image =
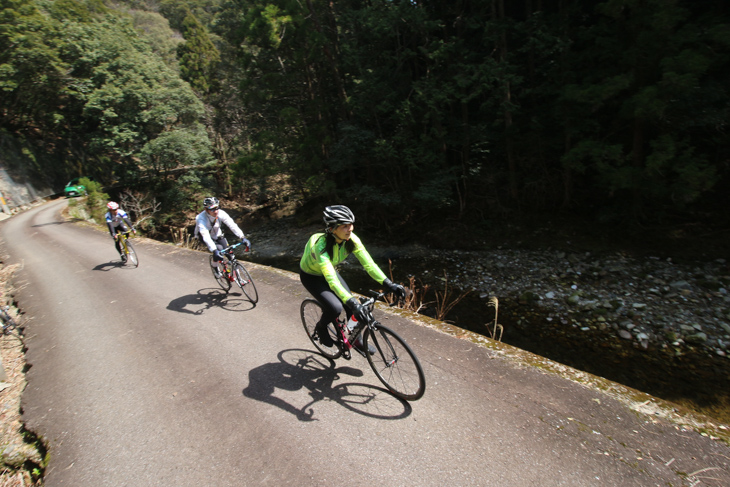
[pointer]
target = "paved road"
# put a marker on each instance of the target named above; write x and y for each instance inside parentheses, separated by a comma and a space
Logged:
(153, 376)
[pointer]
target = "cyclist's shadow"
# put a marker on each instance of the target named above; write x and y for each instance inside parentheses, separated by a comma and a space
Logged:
(305, 369)
(204, 299)
(107, 266)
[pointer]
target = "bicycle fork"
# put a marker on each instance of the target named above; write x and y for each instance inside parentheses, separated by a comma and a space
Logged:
(378, 347)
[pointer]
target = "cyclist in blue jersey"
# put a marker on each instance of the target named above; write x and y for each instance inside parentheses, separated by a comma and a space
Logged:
(118, 222)
(319, 276)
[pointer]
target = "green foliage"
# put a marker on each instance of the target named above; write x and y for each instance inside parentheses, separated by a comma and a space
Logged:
(156, 30)
(591, 154)
(253, 164)
(74, 10)
(199, 58)
(31, 70)
(434, 194)
(676, 172)
(177, 148)
(80, 86)
(96, 199)
(176, 11)
(177, 200)
(405, 108)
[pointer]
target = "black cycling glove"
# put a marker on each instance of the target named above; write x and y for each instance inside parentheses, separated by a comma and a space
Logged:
(394, 288)
(360, 311)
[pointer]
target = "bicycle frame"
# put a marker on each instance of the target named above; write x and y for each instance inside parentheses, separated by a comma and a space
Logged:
(123, 236)
(231, 270)
(126, 249)
(348, 337)
(227, 263)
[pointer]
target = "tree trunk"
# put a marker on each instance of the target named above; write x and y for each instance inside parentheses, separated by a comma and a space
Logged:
(341, 93)
(507, 100)
(637, 161)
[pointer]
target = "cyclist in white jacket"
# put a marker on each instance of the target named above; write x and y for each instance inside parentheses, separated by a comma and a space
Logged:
(208, 228)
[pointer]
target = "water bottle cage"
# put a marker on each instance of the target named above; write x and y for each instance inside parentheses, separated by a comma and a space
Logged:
(356, 330)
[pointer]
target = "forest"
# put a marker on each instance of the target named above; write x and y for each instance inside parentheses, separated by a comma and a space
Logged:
(409, 111)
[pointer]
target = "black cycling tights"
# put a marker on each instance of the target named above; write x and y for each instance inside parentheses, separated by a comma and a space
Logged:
(318, 287)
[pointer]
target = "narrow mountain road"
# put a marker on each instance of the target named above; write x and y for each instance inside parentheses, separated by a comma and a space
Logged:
(154, 376)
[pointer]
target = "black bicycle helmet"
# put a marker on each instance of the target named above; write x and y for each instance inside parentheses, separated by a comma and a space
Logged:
(211, 202)
(338, 215)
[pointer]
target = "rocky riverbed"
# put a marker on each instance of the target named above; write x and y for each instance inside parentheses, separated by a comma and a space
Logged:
(649, 301)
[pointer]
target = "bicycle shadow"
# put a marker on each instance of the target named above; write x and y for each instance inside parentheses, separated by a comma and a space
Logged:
(107, 266)
(55, 223)
(205, 299)
(305, 369)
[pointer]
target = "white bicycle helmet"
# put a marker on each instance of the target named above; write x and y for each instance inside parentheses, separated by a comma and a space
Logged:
(338, 215)
(112, 205)
(211, 202)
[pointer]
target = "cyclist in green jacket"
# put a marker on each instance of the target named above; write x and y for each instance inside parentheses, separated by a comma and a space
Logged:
(319, 276)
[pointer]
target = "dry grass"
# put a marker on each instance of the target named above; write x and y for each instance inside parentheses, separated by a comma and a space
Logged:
(446, 300)
(12, 434)
(141, 205)
(416, 296)
(497, 329)
(415, 293)
(182, 238)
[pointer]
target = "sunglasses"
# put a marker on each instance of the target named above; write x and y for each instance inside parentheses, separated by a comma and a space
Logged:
(213, 209)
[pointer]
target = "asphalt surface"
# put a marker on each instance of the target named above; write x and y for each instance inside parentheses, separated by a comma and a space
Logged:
(154, 376)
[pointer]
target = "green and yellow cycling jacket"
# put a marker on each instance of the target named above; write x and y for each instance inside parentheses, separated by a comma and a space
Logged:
(317, 262)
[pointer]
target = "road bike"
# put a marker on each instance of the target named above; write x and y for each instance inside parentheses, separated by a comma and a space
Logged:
(393, 362)
(231, 270)
(127, 249)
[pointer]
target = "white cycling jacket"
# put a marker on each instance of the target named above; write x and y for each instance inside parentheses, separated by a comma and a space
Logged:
(209, 228)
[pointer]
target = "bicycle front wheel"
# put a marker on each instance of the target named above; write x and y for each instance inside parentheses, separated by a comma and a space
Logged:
(220, 276)
(243, 279)
(311, 312)
(395, 364)
(131, 254)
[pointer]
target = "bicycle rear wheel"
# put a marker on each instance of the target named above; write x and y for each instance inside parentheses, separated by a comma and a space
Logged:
(311, 312)
(243, 279)
(395, 364)
(131, 254)
(220, 276)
